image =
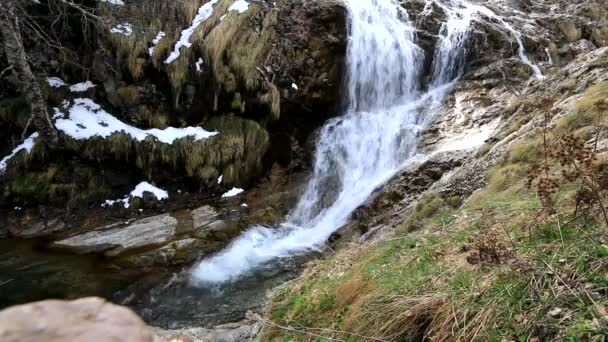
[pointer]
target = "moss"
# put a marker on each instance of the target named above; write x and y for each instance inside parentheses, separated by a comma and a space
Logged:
(525, 152)
(236, 152)
(483, 150)
(422, 285)
(14, 111)
(129, 95)
(53, 186)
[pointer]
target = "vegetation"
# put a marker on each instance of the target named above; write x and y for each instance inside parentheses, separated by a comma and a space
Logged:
(518, 261)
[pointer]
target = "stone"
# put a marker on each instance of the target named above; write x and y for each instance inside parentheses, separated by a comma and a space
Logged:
(176, 253)
(87, 319)
(204, 216)
(206, 221)
(42, 229)
(147, 232)
(244, 331)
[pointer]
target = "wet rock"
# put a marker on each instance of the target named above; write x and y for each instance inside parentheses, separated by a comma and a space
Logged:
(41, 229)
(392, 203)
(176, 253)
(572, 50)
(148, 232)
(207, 222)
(88, 319)
(244, 331)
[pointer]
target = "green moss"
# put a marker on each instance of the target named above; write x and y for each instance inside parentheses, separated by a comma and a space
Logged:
(14, 111)
(236, 152)
(51, 186)
(525, 152)
(427, 275)
(483, 150)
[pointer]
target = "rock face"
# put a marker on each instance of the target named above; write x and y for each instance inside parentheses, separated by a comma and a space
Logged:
(162, 240)
(244, 331)
(88, 319)
(265, 78)
(151, 231)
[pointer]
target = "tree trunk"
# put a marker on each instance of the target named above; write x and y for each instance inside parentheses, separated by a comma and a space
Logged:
(17, 58)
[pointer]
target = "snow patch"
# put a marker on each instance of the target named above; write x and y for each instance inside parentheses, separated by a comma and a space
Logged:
(26, 145)
(82, 87)
(56, 82)
(233, 192)
(199, 64)
(294, 86)
(125, 29)
(115, 2)
(240, 6)
(142, 187)
(139, 190)
(58, 114)
(155, 42)
(204, 13)
(87, 119)
(219, 179)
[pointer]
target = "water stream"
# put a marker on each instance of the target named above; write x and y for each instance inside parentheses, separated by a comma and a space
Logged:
(374, 139)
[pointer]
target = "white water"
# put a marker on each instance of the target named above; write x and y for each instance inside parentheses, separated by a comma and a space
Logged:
(361, 150)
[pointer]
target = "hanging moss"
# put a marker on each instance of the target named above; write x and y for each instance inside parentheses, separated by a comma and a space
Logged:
(236, 152)
(14, 110)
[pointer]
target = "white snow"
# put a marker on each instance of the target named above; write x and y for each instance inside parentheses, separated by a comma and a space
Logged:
(219, 179)
(87, 119)
(139, 190)
(199, 64)
(114, 2)
(142, 187)
(82, 87)
(294, 86)
(240, 6)
(244, 205)
(125, 29)
(58, 114)
(109, 203)
(155, 42)
(233, 192)
(56, 82)
(204, 13)
(26, 145)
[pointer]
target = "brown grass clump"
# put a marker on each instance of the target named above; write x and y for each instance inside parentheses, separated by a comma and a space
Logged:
(415, 318)
(352, 290)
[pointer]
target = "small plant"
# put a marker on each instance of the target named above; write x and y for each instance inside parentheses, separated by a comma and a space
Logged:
(568, 160)
(487, 246)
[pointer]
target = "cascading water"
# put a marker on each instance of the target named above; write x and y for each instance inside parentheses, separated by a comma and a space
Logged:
(358, 152)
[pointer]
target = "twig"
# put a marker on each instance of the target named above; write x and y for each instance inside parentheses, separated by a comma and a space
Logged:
(7, 69)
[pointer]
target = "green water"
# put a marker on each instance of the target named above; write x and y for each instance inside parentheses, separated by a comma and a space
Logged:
(29, 273)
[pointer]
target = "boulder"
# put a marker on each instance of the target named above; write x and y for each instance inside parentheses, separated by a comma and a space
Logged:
(87, 319)
(207, 222)
(41, 229)
(243, 331)
(175, 253)
(147, 232)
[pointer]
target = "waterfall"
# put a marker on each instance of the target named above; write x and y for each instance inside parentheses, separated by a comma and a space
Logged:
(359, 151)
